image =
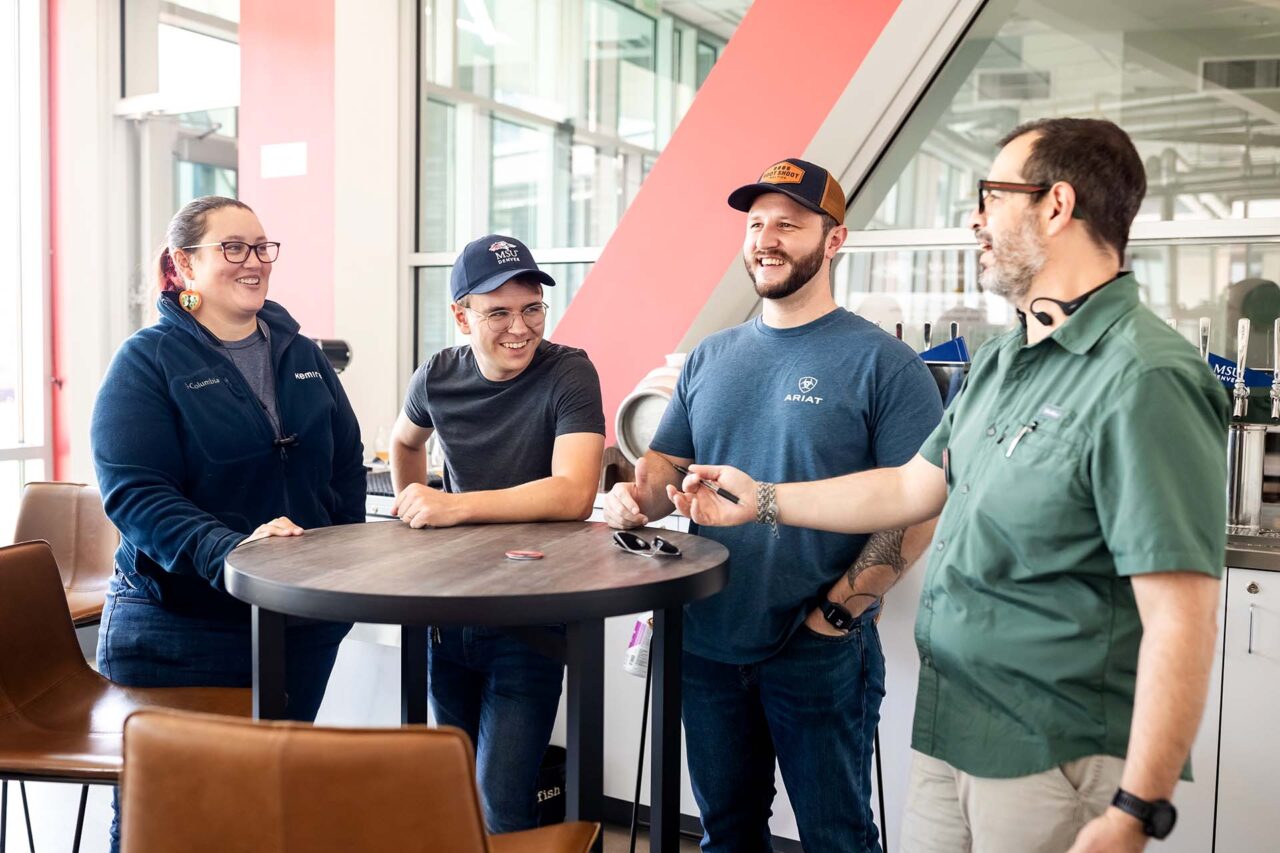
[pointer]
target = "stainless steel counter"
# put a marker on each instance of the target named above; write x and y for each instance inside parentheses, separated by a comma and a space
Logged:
(1254, 552)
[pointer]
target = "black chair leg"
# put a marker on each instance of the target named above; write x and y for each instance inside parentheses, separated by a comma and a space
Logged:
(84, 798)
(26, 812)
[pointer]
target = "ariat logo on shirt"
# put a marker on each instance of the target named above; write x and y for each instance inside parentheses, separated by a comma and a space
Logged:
(806, 384)
(310, 374)
(783, 173)
(203, 383)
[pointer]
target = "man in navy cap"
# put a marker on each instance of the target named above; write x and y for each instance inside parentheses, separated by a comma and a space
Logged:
(785, 664)
(521, 423)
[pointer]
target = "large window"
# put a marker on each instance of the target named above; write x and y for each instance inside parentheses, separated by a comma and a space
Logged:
(24, 339)
(1194, 84)
(540, 119)
(182, 75)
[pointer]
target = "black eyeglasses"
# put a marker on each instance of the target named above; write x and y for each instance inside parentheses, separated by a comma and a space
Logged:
(634, 544)
(237, 252)
(986, 188)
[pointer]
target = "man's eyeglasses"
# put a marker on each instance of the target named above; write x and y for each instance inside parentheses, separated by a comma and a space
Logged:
(634, 544)
(502, 320)
(986, 188)
(237, 252)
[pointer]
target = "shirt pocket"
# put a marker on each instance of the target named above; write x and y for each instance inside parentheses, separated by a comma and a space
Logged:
(1036, 500)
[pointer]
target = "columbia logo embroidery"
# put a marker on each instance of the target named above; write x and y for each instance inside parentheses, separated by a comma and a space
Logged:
(504, 252)
(204, 383)
(310, 374)
(806, 384)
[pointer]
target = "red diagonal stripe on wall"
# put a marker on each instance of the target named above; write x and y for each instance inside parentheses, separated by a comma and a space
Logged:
(777, 80)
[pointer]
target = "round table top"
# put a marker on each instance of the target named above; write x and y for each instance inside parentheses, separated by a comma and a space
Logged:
(388, 572)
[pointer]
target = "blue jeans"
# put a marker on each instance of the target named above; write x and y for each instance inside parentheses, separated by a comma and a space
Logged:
(504, 695)
(141, 644)
(813, 707)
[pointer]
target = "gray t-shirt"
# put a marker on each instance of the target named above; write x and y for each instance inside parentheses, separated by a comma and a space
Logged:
(496, 435)
(785, 405)
(252, 357)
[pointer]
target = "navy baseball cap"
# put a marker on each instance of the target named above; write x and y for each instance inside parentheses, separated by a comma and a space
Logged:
(492, 261)
(809, 184)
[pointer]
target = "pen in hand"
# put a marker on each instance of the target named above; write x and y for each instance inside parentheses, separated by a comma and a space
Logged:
(714, 489)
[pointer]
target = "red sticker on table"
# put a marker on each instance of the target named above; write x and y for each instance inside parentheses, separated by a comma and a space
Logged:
(524, 555)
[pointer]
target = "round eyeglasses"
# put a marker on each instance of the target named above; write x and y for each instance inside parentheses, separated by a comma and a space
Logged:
(502, 320)
(237, 251)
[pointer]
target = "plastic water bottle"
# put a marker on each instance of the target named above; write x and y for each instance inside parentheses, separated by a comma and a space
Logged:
(636, 661)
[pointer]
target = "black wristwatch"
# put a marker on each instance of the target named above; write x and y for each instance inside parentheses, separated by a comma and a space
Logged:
(837, 615)
(1157, 817)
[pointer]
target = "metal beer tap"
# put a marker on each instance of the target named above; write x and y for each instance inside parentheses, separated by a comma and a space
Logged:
(1241, 392)
(1204, 338)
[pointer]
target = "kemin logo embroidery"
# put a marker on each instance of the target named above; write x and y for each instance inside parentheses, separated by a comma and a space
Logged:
(806, 384)
(310, 374)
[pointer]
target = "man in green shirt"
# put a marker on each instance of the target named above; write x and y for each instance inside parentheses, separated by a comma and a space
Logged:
(1069, 610)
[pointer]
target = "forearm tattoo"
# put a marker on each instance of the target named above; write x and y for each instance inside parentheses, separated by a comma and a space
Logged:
(882, 549)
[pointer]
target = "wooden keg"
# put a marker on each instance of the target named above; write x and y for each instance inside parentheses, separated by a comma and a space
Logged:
(642, 409)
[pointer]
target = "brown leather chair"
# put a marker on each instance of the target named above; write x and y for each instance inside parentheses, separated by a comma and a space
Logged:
(203, 784)
(59, 720)
(69, 517)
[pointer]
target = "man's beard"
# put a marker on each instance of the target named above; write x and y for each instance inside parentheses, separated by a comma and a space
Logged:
(1017, 257)
(803, 269)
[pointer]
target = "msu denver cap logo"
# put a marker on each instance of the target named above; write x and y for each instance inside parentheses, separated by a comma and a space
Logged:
(807, 384)
(504, 252)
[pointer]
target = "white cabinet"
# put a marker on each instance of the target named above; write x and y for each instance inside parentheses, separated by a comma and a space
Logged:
(1248, 814)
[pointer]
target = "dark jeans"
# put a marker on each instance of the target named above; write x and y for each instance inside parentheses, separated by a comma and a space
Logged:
(141, 644)
(813, 707)
(504, 695)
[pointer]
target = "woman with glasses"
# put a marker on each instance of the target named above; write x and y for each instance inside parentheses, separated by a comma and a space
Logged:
(218, 425)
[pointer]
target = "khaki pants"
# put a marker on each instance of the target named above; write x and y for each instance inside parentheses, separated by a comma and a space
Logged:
(952, 812)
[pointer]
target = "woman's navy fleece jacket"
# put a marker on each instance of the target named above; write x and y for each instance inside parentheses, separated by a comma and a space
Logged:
(188, 462)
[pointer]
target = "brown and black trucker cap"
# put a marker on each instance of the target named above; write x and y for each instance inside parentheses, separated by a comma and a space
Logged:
(807, 183)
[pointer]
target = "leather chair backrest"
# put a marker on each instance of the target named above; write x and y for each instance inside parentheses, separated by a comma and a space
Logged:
(38, 647)
(205, 784)
(69, 516)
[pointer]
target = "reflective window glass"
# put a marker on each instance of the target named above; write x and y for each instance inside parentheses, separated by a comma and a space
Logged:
(1191, 82)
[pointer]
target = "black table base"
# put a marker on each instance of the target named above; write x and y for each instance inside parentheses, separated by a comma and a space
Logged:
(585, 704)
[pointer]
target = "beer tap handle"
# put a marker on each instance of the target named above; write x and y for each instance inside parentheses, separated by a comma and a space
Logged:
(955, 331)
(928, 335)
(1275, 370)
(1241, 393)
(897, 330)
(1204, 338)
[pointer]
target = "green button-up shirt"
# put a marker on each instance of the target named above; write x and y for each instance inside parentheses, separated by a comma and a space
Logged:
(1097, 454)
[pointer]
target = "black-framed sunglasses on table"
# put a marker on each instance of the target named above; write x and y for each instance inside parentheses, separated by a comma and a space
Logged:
(237, 251)
(633, 544)
(986, 188)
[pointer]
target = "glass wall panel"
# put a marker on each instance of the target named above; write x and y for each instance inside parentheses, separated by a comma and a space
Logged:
(14, 475)
(1184, 79)
(10, 239)
(541, 118)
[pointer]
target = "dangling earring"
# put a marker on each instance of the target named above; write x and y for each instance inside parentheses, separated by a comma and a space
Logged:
(190, 300)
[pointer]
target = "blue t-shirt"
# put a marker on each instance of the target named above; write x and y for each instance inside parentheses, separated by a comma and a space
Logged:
(831, 397)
